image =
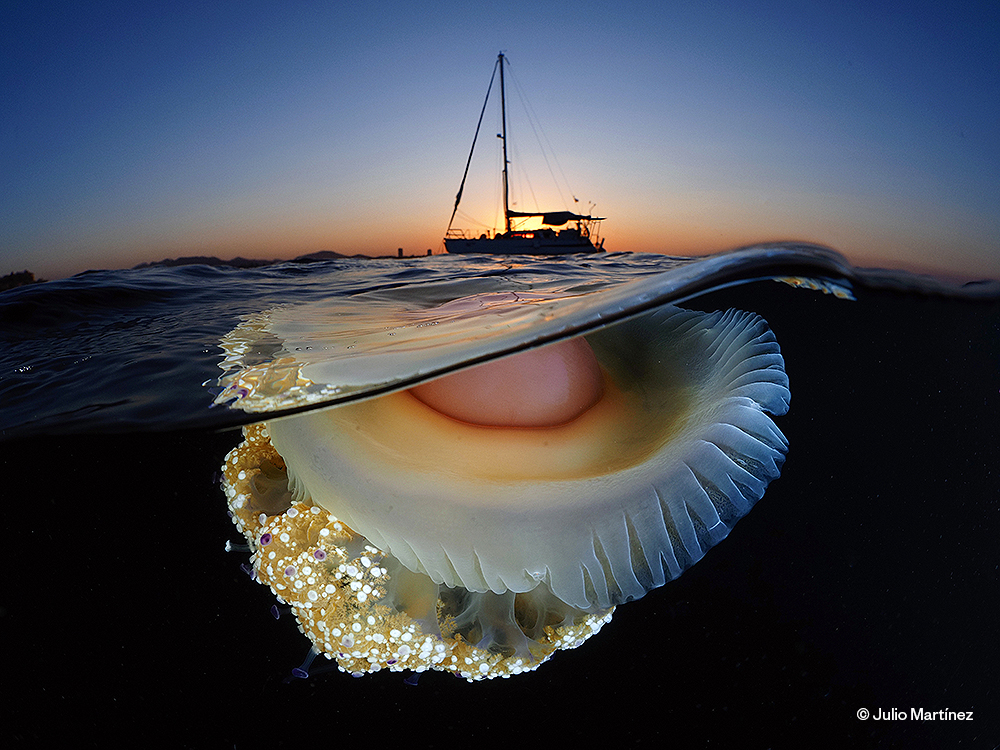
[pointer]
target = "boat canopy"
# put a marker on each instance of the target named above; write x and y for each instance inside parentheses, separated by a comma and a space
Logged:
(556, 218)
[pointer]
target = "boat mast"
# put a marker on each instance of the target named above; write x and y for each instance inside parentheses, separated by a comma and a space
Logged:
(503, 137)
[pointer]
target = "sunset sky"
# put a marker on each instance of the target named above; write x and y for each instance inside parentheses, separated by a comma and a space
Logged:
(276, 129)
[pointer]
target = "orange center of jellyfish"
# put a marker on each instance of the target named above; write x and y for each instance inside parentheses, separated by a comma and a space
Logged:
(543, 387)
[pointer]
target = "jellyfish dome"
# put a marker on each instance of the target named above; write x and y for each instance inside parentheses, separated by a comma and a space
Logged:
(494, 500)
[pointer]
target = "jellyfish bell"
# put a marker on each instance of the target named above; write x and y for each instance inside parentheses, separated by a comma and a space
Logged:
(542, 387)
(602, 507)
(479, 521)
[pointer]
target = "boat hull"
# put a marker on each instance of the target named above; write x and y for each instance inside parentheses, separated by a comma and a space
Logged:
(521, 245)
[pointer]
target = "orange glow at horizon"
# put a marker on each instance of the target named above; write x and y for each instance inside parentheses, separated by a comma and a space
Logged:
(365, 235)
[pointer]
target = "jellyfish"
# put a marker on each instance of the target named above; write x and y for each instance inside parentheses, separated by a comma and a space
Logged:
(479, 521)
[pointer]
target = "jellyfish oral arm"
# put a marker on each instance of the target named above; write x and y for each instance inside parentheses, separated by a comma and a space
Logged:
(543, 387)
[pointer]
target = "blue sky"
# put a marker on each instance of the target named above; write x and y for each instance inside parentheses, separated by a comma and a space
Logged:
(131, 132)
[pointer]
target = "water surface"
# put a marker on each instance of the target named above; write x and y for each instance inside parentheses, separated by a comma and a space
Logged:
(864, 578)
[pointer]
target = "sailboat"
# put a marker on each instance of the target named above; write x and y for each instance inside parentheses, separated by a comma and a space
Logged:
(547, 240)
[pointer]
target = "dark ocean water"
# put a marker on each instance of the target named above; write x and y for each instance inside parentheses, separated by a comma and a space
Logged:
(867, 577)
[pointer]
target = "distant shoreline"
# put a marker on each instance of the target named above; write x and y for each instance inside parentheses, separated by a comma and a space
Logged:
(23, 278)
(240, 262)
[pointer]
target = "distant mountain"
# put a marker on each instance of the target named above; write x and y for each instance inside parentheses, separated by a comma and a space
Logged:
(238, 262)
(207, 260)
(324, 255)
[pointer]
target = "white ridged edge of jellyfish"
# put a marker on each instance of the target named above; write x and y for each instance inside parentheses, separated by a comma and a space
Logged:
(596, 540)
